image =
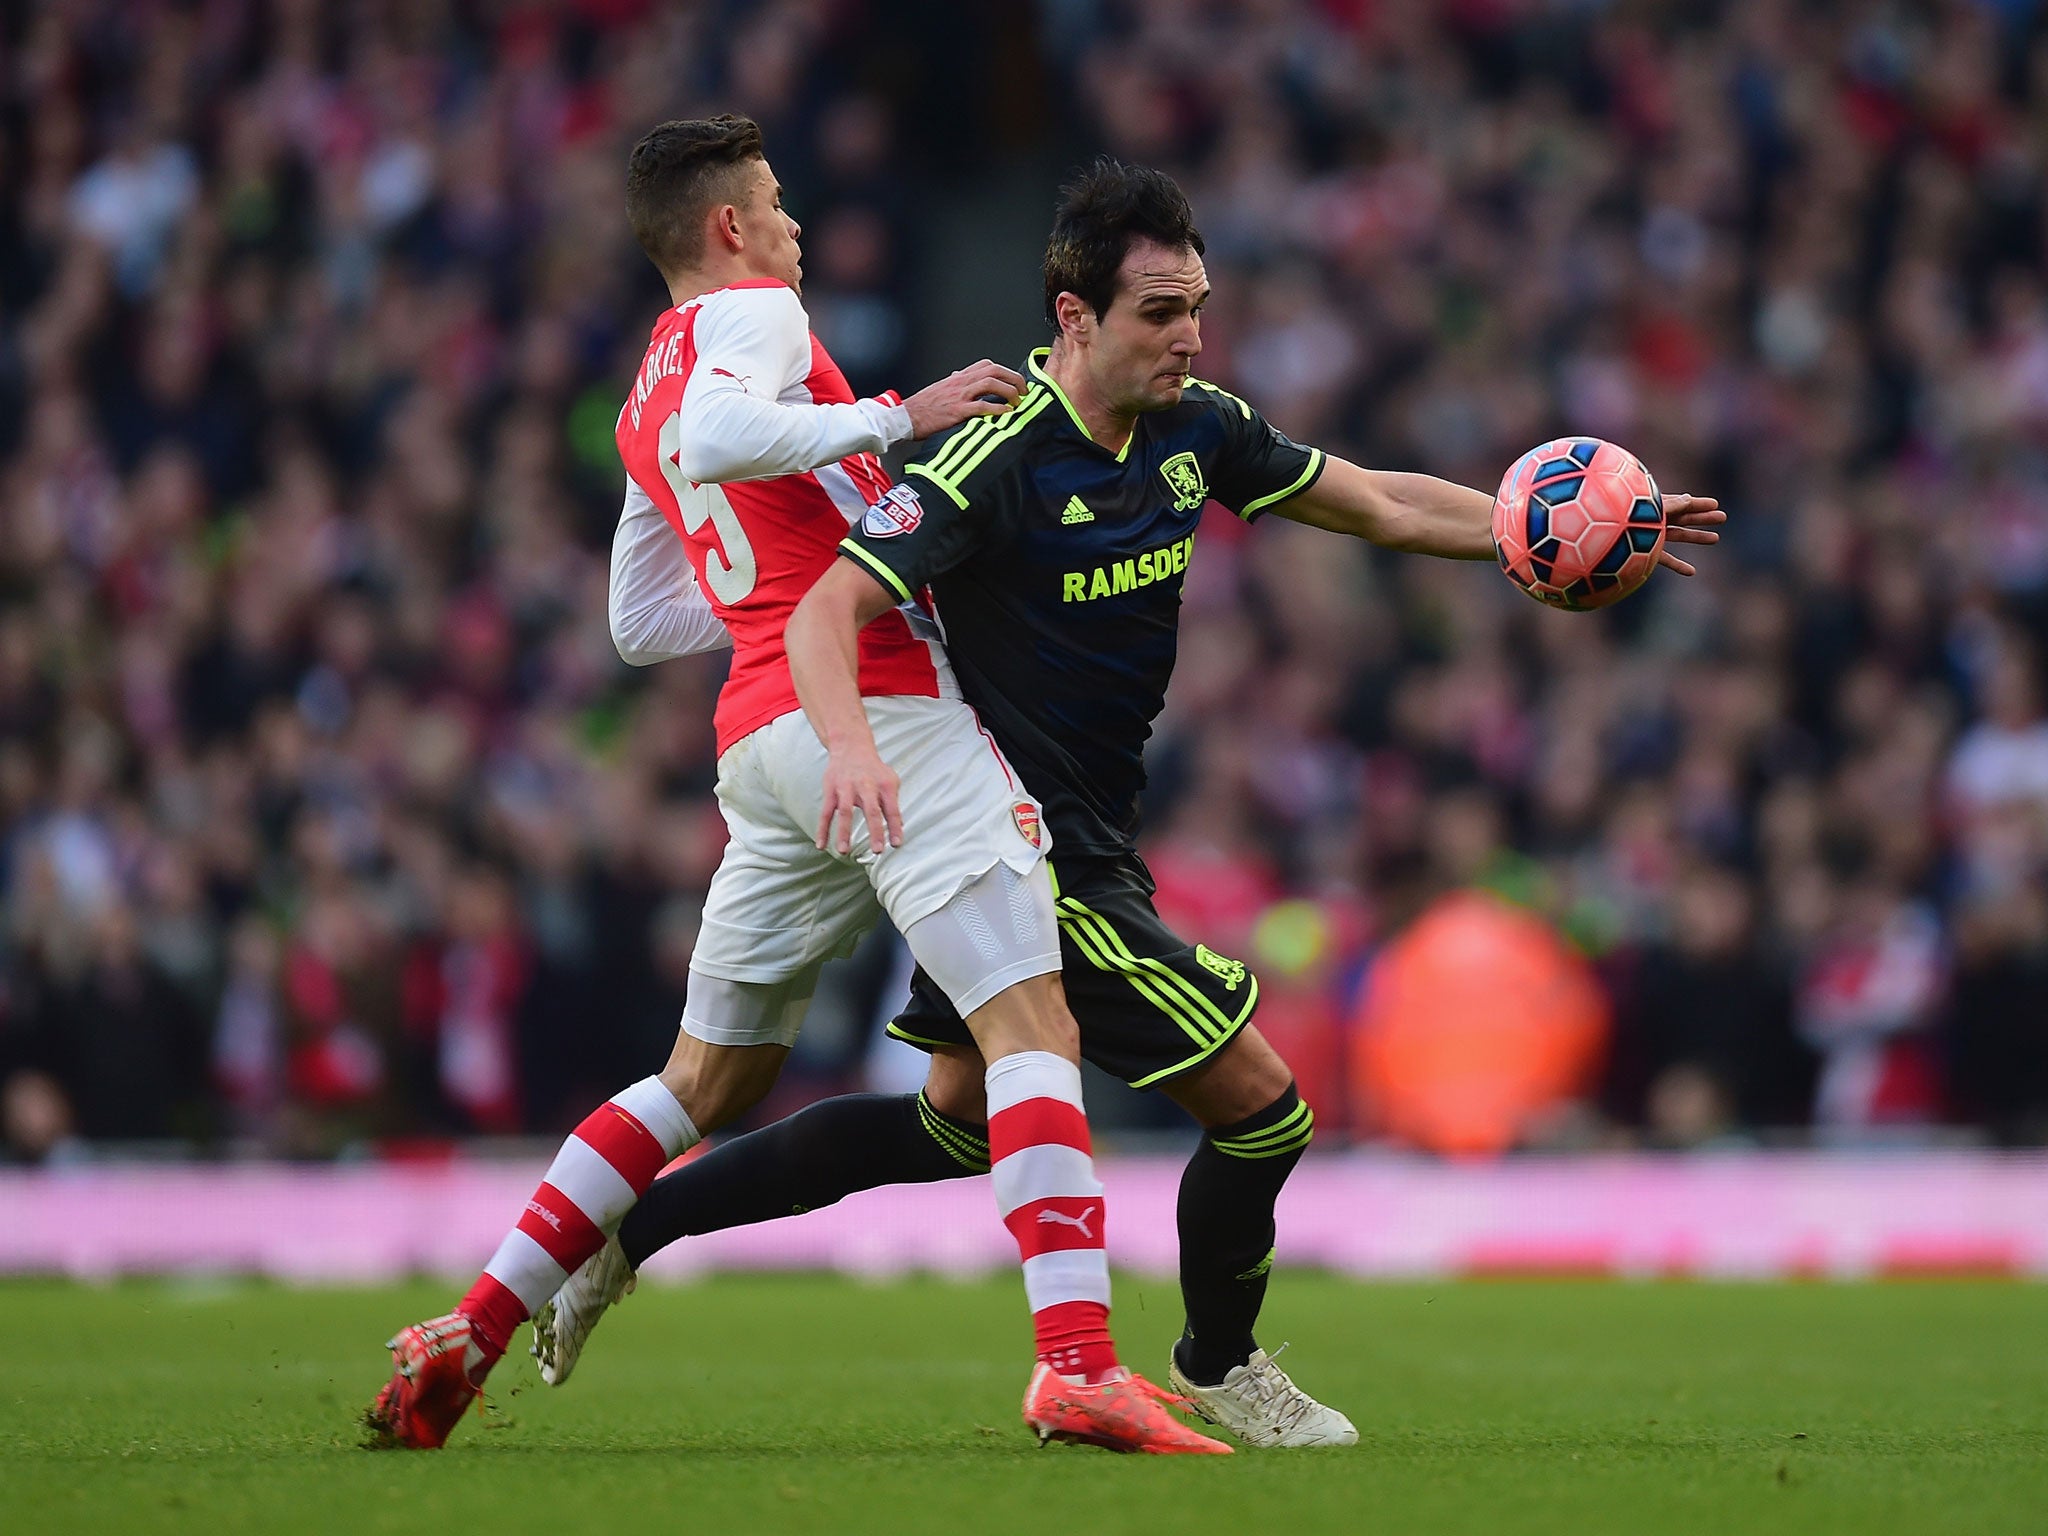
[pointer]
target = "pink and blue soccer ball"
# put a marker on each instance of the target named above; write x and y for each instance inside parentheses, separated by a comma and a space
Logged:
(1578, 523)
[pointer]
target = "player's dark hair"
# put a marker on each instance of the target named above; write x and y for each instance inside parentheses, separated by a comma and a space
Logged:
(1101, 211)
(678, 173)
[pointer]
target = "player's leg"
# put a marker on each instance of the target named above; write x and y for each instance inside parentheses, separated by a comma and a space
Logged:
(1042, 1161)
(609, 1161)
(604, 1166)
(768, 907)
(818, 1156)
(733, 1021)
(969, 891)
(601, 1170)
(1227, 1228)
(834, 1148)
(1255, 1128)
(1039, 1153)
(814, 1158)
(1161, 1013)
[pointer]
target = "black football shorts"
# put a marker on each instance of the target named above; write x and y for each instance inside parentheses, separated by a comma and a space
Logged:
(1150, 1005)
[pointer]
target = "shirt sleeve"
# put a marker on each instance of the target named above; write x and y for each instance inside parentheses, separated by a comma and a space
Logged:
(752, 345)
(657, 609)
(1259, 465)
(918, 530)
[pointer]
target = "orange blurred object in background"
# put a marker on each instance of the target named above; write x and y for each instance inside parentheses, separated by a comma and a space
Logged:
(1475, 1021)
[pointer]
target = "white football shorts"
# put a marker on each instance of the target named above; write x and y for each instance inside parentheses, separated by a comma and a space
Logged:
(779, 905)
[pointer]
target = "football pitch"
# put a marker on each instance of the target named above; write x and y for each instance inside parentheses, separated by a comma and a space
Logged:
(811, 1404)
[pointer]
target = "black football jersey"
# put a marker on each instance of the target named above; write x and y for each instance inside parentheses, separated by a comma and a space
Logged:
(1055, 567)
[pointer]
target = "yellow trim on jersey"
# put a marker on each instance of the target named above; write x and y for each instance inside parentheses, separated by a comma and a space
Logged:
(957, 447)
(1315, 465)
(1038, 372)
(954, 446)
(977, 455)
(1218, 389)
(950, 470)
(924, 474)
(895, 582)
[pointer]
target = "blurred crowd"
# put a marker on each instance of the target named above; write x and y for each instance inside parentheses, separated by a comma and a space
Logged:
(1794, 810)
(329, 819)
(331, 816)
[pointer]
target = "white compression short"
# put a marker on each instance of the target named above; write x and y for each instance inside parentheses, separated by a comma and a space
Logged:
(724, 1012)
(998, 929)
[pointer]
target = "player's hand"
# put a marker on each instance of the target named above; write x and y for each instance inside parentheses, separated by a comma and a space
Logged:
(857, 780)
(979, 389)
(1688, 520)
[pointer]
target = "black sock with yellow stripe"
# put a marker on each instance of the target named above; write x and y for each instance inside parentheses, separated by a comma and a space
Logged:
(816, 1157)
(1227, 1197)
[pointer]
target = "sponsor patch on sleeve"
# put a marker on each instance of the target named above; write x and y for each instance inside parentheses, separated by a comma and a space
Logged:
(899, 511)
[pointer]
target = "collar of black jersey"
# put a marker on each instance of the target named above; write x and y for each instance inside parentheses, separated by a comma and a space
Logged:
(1035, 366)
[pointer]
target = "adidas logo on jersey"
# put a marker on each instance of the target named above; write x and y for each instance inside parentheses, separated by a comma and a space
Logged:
(1076, 512)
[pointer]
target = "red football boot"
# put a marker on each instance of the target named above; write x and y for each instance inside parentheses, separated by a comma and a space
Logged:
(1128, 1414)
(430, 1389)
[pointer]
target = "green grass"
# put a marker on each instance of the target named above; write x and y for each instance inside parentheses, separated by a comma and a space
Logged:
(815, 1405)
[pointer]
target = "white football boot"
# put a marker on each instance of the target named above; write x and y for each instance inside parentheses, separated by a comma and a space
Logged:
(1260, 1404)
(563, 1323)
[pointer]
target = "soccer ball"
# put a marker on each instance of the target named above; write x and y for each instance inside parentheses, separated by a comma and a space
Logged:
(1578, 523)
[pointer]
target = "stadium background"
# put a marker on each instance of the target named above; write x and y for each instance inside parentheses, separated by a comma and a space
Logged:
(333, 824)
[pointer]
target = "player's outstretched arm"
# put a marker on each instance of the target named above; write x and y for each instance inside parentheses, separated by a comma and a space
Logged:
(753, 348)
(823, 641)
(731, 433)
(1421, 514)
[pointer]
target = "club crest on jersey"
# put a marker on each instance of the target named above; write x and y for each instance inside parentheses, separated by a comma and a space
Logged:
(1183, 477)
(1230, 972)
(899, 511)
(1025, 814)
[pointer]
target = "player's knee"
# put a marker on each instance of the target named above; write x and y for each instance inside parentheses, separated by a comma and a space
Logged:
(1030, 1015)
(716, 1084)
(1283, 1128)
(1062, 1030)
(1244, 1079)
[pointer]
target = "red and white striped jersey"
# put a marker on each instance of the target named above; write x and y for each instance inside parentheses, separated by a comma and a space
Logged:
(742, 434)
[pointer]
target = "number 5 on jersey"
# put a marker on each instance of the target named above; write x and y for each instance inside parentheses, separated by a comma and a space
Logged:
(732, 577)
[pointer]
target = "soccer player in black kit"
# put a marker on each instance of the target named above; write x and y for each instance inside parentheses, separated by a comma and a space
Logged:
(1053, 541)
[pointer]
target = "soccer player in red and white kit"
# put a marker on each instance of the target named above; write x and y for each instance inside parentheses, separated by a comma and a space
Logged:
(741, 435)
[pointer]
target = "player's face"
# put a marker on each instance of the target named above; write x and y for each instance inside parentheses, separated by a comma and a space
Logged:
(771, 234)
(1148, 341)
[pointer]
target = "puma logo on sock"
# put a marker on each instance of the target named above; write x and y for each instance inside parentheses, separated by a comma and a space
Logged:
(1080, 1222)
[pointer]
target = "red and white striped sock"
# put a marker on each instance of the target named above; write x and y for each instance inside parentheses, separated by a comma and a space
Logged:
(1052, 1203)
(600, 1174)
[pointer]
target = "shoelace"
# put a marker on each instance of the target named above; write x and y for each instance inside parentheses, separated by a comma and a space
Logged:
(1159, 1394)
(591, 1290)
(1272, 1388)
